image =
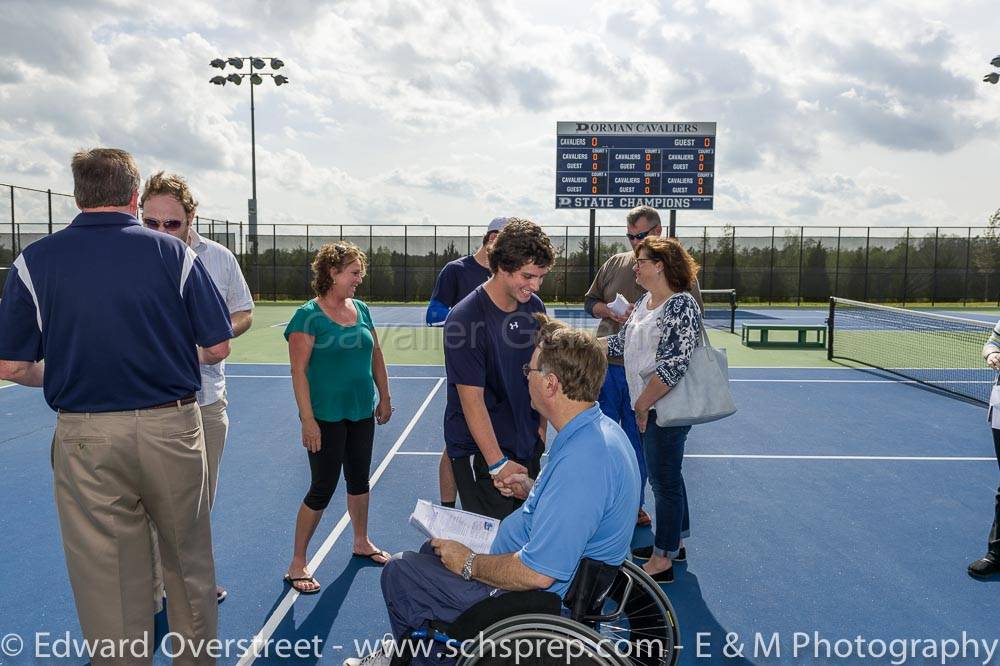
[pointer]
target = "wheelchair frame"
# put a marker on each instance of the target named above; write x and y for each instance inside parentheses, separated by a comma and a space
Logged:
(593, 639)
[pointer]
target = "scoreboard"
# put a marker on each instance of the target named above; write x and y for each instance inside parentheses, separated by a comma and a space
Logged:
(623, 165)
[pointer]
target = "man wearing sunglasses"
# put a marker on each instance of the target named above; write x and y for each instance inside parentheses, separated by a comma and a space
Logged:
(617, 276)
(168, 206)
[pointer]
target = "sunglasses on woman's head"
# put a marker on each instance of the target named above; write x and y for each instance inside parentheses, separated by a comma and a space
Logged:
(169, 225)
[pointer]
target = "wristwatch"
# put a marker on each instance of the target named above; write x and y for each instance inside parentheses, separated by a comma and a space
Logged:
(467, 567)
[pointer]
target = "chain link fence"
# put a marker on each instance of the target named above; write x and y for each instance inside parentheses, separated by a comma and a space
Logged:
(764, 264)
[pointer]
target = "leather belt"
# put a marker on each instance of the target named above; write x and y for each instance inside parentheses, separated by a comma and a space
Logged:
(186, 400)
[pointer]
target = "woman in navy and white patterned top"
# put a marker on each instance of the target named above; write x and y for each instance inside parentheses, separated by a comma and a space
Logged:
(989, 566)
(656, 342)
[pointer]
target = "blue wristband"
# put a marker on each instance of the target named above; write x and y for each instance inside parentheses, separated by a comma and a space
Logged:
(498, 464)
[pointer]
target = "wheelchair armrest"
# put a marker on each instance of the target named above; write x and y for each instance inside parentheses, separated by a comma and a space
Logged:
(589, 588)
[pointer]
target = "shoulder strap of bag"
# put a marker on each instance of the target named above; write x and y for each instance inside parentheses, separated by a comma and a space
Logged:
(701, 318)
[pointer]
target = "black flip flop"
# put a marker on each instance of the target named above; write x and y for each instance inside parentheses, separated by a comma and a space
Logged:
(309, 579)
(371, 556)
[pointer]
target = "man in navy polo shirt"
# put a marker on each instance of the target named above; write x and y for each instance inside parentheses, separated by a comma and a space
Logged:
(456, 281)
(118, 313)
(582, 505)
(490, 429)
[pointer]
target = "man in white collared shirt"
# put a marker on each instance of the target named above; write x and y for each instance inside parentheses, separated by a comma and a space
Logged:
(168, 206)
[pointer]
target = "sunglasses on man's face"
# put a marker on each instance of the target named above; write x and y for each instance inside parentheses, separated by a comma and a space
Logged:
(169, 225)
(639, 236)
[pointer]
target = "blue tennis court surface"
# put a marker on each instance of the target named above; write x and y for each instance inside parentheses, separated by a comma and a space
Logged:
(838, 501)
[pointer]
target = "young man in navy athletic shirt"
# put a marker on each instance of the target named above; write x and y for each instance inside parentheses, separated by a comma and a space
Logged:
(490, 429)
(456, 281)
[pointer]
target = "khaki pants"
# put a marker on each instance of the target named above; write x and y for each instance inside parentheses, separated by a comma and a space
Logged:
(215, 425)
(113, 474)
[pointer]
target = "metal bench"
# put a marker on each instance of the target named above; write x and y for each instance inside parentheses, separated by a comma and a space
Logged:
(802, 342)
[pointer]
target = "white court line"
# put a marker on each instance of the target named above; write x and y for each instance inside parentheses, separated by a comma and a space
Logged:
(768, 456)
(386, 324)
(8, 386)
(773, 381)
(289, 377)
(286, 603)
(858, 381)
(391, 365)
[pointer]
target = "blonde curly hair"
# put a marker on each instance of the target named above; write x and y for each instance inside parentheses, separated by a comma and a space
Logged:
(334, 256)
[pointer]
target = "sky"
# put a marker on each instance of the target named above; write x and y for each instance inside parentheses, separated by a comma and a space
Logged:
(444, 112)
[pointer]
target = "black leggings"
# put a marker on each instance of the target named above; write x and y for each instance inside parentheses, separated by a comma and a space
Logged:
(342, 443)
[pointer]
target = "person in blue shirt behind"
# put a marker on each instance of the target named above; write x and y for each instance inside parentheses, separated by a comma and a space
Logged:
(459, 277)
(456, 281)
(490, 429)
(582, 505)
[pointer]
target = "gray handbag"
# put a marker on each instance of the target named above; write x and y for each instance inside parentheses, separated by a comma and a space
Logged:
(702, 395)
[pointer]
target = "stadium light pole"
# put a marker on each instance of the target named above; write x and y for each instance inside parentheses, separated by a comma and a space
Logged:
(255, 64)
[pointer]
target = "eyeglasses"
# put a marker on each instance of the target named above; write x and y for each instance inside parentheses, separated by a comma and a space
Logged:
(639, 259)
(169, 225)
(641, 235)
(527, 369)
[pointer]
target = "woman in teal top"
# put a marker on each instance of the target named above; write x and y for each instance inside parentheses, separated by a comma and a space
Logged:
(337, 366)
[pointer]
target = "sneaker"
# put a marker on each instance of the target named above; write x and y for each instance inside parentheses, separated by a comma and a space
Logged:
(380, 657)
(984, 568)
(643, 519)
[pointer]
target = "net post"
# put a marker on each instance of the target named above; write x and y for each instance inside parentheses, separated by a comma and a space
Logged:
(829, 329)
(732, 311)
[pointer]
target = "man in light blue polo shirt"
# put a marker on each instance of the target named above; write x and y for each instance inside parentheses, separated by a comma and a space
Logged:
(118, 313)
(582, 505)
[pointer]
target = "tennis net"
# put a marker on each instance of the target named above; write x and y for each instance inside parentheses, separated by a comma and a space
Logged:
(720, 306)
(928, 348)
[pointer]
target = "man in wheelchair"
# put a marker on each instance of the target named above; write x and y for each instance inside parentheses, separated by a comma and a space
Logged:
(583, 505)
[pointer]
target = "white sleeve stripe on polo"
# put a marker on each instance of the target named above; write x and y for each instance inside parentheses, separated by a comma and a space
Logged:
(189, 257)
(22, 272)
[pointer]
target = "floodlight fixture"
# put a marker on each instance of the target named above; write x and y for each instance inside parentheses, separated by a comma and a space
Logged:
(254, 63)
(995, 62)
(992, 77)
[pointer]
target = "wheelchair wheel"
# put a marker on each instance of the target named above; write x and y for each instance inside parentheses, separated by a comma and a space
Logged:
(644, 626)
(542, 640)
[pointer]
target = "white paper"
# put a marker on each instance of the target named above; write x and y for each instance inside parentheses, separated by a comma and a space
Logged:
(995, 406)
(619, 306)
(440, 522)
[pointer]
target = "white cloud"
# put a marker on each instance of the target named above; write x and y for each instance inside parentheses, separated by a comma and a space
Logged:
(445, 111)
